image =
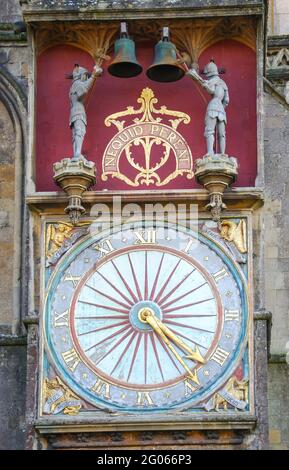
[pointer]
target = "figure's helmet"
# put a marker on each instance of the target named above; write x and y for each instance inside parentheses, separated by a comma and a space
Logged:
(211, 69)
(78, 72)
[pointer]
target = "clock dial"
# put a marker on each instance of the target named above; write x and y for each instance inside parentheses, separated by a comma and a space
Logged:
(136, 320)
(110, 333)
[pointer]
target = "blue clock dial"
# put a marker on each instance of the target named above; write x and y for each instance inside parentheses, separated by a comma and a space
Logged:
(138, 321)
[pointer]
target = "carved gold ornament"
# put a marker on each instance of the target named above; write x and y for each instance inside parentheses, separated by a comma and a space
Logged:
(58, 398)
(235, 389)
(59, 238)
(235, 393)
(56, 234)
(147, 132)
(235, 233)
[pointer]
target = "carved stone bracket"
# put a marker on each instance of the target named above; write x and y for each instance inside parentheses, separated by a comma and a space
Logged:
(216, 173)
(74, 177)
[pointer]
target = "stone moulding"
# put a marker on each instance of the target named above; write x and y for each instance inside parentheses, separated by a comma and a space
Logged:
(12, 340)
(9, 34)
(271, 88)
(101, 9)
(96, 5)
(214, 421)
(236, 198)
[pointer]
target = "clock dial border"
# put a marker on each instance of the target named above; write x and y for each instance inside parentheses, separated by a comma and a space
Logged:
(239, 278)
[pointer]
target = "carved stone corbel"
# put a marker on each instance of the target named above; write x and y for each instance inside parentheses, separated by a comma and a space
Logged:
(74, 177)
(216, 173)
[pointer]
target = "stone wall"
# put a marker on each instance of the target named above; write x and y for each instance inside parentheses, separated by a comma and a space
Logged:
(279, 405)
(276, 240)
(13, 85)
(278, 17)
(276, 221)
(10, 11)
(12, 392)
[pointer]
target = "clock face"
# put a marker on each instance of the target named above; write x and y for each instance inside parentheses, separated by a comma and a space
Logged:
(146, 319)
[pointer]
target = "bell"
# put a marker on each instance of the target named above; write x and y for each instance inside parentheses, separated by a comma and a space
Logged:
(166, 67)
(125, 64)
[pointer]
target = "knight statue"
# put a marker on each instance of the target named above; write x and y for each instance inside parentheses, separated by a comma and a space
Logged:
(82, 83)
(216, 114)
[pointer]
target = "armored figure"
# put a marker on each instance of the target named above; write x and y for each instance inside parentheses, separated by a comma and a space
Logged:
(216, 114)
(81, 85)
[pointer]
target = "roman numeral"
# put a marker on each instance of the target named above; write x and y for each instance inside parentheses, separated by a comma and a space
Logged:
(104, 247)
(231, 315)
(71, 359)
(73, 279)
(191, 242)
(189, 388)
(220, 274)
(220, 356)
(147, 237)
(101, 388)
(144, 399)
(61, 319)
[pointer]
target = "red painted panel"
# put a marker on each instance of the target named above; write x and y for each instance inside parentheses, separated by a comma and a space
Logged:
(240, 64)
(110, 95)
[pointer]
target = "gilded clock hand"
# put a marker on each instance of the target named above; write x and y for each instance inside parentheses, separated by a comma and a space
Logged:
(193, 355)
(147, 316)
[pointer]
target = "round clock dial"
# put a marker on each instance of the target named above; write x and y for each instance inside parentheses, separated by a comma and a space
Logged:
(139, 321)
(108, 321)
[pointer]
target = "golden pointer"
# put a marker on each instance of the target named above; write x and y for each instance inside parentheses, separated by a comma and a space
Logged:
(146, 315)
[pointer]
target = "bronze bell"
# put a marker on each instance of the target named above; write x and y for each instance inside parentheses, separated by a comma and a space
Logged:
(125, 64)
(166, 67)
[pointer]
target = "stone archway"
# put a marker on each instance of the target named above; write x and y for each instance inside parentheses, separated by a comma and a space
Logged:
(13, 119)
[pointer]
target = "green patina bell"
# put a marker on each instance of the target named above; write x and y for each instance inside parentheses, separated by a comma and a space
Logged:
(166, 67)
(125, 64)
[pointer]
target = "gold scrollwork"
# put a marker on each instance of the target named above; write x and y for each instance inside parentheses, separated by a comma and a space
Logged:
(58, 398)
(147, 131)
(147, 101)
